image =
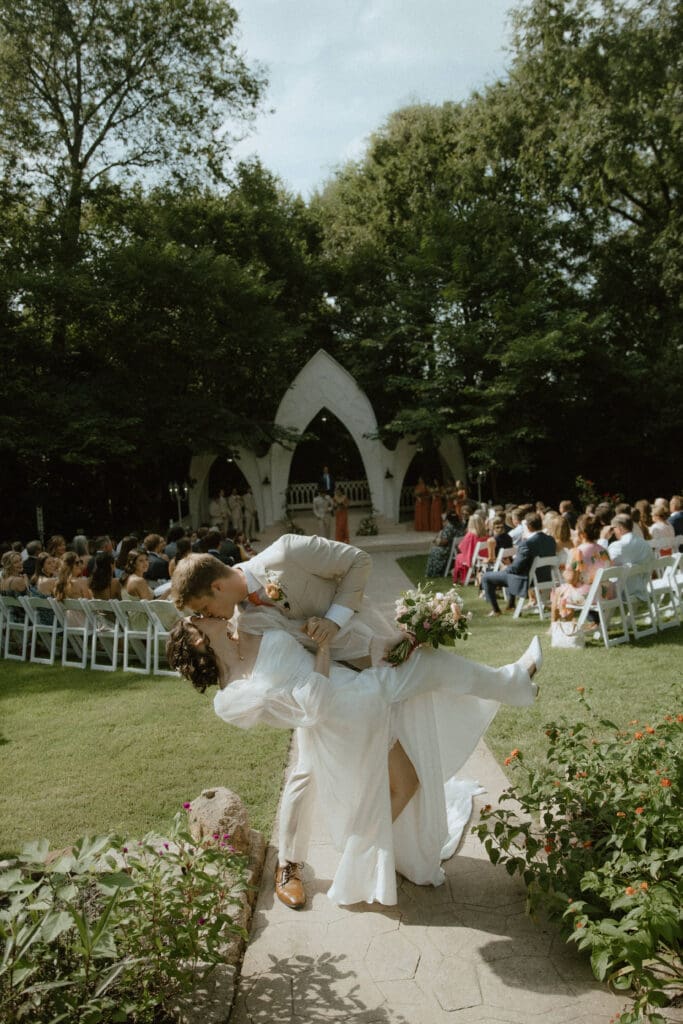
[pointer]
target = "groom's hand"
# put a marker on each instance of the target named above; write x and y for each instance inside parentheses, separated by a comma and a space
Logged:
(321, 630)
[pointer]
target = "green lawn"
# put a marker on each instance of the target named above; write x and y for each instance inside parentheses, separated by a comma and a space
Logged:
(99, 752)
(85, 751)
(638, 680)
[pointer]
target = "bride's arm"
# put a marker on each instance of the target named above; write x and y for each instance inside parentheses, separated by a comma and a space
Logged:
(322, 660)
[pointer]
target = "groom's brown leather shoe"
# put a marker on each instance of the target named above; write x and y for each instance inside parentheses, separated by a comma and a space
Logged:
(288, 886)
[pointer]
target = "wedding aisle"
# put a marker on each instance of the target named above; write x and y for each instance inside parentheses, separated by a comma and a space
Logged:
(458, 954)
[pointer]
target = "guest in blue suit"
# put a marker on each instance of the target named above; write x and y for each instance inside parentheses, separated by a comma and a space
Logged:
(515, 578)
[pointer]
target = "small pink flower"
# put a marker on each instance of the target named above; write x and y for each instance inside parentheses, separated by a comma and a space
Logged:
(186, 806)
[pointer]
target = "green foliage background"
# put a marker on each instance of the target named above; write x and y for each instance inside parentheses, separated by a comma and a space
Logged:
(507, 268)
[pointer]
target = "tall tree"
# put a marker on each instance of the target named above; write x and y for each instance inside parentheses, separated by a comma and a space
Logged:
(90, 89)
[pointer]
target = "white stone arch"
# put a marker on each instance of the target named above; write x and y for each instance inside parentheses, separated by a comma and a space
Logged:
(323, 383)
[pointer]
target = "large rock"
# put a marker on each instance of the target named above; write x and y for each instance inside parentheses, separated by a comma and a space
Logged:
(220, 810)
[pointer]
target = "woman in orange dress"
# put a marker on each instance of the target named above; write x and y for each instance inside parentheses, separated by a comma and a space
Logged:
(436, 508)
(341, 515)
(421, 492)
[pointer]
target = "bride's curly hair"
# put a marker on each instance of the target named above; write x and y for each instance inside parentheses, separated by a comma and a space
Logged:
(199, 666)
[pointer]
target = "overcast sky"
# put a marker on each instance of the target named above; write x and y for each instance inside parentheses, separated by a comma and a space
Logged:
(338, 68)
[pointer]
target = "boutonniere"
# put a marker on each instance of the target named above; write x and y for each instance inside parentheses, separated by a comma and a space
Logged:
(274, 589)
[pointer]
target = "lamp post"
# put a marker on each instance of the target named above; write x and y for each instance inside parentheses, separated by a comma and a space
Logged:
(178, 491)
(481, 475)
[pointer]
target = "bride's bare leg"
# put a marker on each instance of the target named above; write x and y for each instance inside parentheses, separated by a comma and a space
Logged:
(403, 780)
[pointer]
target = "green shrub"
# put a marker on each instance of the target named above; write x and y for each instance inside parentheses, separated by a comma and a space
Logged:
(114, 931)
(603, 852)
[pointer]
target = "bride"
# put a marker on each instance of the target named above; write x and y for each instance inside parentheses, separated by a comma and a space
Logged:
(385, 812)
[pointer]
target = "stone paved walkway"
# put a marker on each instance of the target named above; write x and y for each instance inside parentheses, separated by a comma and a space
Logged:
(462, 953)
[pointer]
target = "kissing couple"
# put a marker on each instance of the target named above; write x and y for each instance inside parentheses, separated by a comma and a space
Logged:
(378, 746)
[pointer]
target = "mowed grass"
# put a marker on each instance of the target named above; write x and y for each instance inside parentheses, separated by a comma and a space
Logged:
(641, 680)
(100, 752)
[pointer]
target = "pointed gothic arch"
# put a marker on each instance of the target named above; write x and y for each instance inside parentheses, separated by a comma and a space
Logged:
(321, 384)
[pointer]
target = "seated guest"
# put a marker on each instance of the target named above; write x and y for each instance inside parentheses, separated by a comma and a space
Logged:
(104, 585)
(183, 548)
(70, 581)
(501, 538)
(245, 546)
(56, 546)
(229, 552)
(125, 547)
(134, 586)
(33, 549)
(80, 545)
(661, 528)
(103, 543)
(499, 541)
(643, 506)
(627, 549)
(172, 537)
(579, 572)
(676, 517)
(157, 570)
(441, 547)
(476, 533)
(639, 528)
(567, 510)
(516, 578)
(557, 527)
(517, 528)
(13, 581)
(201, 533)
(45, 576)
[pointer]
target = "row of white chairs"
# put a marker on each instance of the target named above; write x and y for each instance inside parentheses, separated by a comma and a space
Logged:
(87, 633)
(633, 601)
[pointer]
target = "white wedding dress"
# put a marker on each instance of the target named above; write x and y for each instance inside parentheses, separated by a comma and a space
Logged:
(437, 704)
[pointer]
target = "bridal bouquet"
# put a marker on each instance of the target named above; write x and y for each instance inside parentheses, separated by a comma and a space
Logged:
(427, 618)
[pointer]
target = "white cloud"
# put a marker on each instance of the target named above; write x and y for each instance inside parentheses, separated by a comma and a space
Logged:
(337, 70)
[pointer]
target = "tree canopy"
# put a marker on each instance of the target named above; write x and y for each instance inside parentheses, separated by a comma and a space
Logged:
(506, 268)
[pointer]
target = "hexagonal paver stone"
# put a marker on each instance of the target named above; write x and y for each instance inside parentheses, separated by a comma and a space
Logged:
(352, 935)
(529, 984)
(456, 985)
(392, 957)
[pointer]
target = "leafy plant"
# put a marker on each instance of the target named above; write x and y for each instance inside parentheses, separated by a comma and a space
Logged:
(602, 849)
(111, 931)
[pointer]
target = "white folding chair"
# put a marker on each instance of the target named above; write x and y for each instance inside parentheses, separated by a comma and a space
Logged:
(75, 629)
(540, 588)
(638, 592)
(664, 545)
(451, 556)
(138, 635)
(163, 614)
(503, 555)
(480, 559)
(17, 625)
(606, 597)
(665, 592)
(44, 628)
(104, 632)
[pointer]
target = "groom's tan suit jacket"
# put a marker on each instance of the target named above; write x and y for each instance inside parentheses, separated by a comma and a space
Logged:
(313, 574)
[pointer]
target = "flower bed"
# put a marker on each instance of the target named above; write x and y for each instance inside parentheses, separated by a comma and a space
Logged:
(114, 931)
(603, 849)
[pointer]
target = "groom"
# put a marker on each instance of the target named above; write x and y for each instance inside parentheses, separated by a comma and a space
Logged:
(313, 588)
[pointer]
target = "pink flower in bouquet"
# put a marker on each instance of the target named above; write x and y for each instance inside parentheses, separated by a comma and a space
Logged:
(456, 611)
